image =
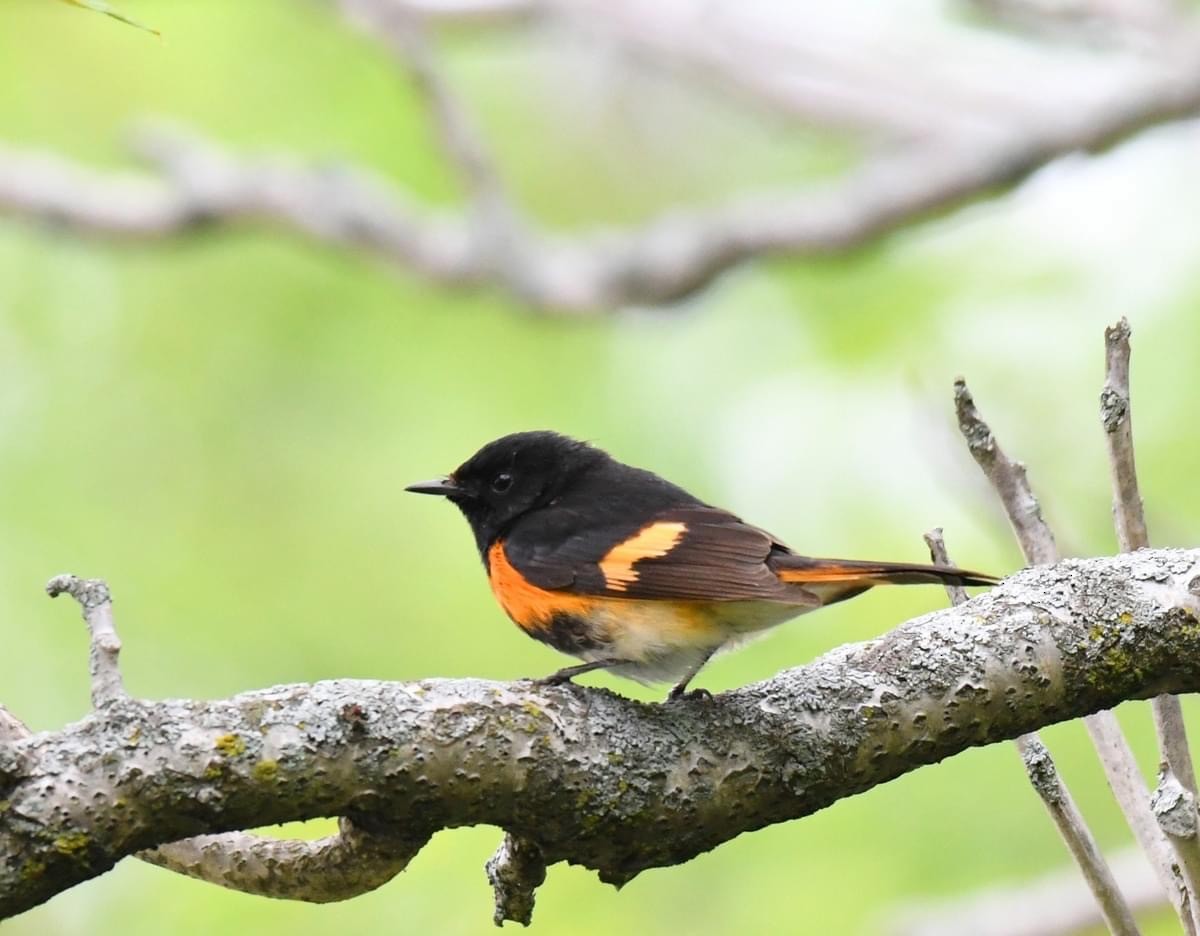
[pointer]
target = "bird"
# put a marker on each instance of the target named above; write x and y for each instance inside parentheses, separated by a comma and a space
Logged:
(630, 573)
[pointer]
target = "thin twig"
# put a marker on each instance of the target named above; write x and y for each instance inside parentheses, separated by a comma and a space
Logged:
(1175, 809)
(937, 552)
(1008, 478)
(1037, 542)
(95, 601)
(1116, 415)
(1044, 777)
(1129, 789)
(11, 727)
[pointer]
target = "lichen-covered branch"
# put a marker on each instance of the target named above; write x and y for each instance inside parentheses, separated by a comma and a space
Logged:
(591, 777)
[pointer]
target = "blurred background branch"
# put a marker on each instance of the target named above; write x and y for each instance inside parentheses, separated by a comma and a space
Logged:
(936, 120)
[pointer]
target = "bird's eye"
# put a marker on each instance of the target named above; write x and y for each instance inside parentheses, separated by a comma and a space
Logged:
(502, 482)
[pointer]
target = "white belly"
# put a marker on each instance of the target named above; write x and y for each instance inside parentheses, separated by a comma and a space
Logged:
(665, 640)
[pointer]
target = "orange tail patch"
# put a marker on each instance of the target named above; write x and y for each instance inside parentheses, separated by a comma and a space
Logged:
(805, 571)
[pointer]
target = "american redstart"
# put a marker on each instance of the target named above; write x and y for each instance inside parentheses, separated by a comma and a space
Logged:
(630, 573)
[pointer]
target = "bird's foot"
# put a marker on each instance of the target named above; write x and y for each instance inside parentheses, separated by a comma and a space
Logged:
(689, 695)
(554, 679)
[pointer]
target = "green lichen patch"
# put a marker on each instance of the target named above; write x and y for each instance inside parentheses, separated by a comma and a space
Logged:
(231, 745)
(33, 869)
(531, 709)
(265, 771)
(71, 844)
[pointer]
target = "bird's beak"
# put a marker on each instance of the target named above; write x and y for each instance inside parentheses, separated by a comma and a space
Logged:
(443, 486)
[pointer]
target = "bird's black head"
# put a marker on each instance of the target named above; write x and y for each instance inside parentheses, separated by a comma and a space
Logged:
(510, 477)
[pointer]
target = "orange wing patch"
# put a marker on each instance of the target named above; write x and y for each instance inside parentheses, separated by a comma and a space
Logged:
(652, 542)
(529, 606)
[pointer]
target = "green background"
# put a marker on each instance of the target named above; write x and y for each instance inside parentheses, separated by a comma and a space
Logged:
(222, 426)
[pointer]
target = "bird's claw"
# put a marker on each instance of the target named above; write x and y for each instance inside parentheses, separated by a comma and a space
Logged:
(689, 695)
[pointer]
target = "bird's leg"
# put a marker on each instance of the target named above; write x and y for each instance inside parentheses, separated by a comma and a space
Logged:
(567, 673)
(681, 689)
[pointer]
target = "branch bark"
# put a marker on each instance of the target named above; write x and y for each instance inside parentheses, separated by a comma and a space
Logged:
(590, 777)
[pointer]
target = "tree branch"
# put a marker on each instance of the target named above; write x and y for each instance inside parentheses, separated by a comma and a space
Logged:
(592, 778)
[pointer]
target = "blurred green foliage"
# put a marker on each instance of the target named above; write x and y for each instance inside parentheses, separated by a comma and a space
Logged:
(222, 426)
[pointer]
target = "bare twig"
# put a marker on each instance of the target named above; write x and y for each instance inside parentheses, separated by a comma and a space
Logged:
(1116, 415)
(516, 871)
(1175, 809)
(1008, 478)
(11, 727)
(1129, 789)
(1037, 542)
(1173, 745)
(96, 603)
(1046, 782)
(937, 552)
(1117, 418)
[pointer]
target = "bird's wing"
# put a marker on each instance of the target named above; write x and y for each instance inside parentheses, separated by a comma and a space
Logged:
(682, 553)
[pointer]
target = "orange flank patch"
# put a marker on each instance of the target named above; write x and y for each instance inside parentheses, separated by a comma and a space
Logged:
(653, 541)
(529, 606)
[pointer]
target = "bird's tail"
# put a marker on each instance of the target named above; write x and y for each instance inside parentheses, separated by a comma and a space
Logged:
(805, 570)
